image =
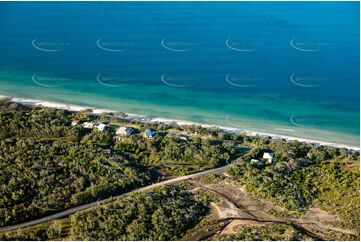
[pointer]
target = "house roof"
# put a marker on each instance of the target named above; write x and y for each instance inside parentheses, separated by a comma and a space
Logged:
(268, 155)
(149, 132)
(183, 137)
(125, 130)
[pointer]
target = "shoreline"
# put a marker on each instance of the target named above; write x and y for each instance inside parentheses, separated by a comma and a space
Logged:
(153, 119)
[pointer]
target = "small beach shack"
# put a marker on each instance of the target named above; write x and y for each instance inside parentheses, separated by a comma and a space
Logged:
(88, 125)
(149, 133)
(75, 122)
(268, 157)
(125, 130)
(183, 137)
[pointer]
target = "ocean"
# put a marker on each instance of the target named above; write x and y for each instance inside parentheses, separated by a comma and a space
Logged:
(289, 68)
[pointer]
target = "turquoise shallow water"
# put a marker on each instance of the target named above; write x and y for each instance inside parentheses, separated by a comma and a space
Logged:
(288, 68)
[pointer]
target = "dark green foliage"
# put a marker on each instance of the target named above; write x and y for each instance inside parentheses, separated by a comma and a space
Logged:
(53, 230)
(44, 168)
(47, 165)
(37, 177)
(161, 215)
(104, 139)
(178, 156)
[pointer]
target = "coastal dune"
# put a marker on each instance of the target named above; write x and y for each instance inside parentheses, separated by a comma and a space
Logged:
(154, 119)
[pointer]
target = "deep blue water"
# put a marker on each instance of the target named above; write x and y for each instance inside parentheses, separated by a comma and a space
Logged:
(292, 65)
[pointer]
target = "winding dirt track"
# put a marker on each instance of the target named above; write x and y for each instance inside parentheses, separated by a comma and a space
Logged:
(253, 218)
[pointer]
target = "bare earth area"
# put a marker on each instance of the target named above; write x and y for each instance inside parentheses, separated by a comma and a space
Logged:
(235, 208)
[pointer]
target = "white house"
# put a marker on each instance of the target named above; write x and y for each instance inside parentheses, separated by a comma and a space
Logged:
(101, 127)
(268, 156)
(125, 131)
(88, 125)
(149, 133)
(183, 137)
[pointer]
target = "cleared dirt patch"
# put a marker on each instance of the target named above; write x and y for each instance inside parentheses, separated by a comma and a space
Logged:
(232, 228)
(225, 209)
(316, 214)
(237, 208)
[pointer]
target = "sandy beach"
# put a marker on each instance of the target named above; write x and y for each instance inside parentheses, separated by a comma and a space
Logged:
(153, 119)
